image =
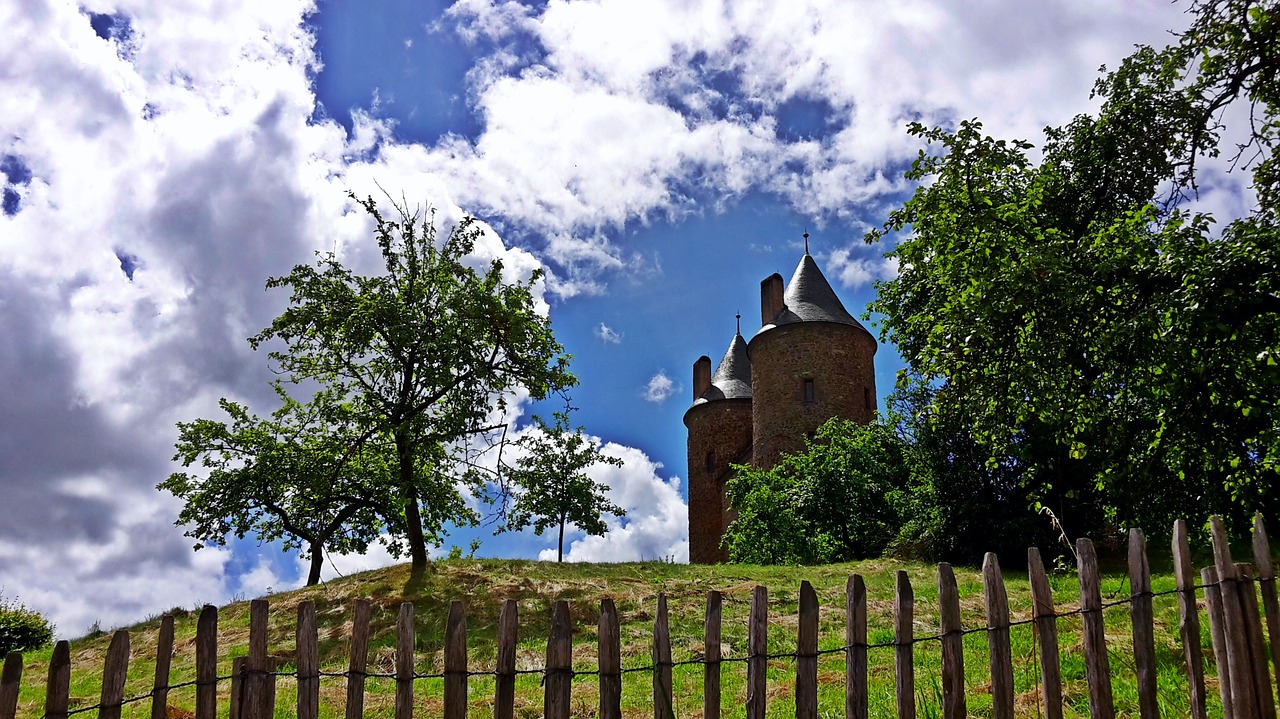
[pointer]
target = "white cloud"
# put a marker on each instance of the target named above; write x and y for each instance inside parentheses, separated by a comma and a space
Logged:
(608, 335)
(659, 388)
(853, 271)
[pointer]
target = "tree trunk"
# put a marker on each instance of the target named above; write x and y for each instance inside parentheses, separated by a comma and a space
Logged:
(560, 556)
(317, 562)
(412, 516)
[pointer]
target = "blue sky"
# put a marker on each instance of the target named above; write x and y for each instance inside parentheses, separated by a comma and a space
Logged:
(161, 159)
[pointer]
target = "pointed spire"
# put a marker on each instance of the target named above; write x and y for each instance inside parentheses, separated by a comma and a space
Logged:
(739, 318)
(732, 379)
(809, 298)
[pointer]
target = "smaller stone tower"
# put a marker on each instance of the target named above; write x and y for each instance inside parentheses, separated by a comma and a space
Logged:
(810, 361)
(719, 425)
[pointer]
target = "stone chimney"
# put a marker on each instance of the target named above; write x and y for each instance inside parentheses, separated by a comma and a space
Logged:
(701, 376)
(770, 298)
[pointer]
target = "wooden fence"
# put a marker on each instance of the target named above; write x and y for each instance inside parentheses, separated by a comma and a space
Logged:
(1230, 591)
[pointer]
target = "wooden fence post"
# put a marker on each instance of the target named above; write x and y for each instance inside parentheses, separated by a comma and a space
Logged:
(807, 654)
(903, 650)
(1267, 584)
(1046, 623)
(662, 708)
(164, 657)
(258, 693)
(404, 661)
(711, 655)
(855, 639)
(359, 659)
(1189, 619)
(57, 689)
(10, 681)
(1218, 633)
(1257, 649)
(237, 708)
(998, 647)
(504, 700)
(455, 662)
(758, 653)
(559, 667)
(1142, 623)
(953, 704)
(114, 671)
(206, 663)
(1243, 699)
(610, 658)
(1097, 667)
(308, 662)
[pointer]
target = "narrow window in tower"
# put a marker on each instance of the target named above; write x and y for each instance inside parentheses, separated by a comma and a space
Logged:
(808, 391)
(866, 397)
(711, 462)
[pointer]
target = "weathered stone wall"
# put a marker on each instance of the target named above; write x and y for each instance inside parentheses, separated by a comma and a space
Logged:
(723, 428)
(838, 358)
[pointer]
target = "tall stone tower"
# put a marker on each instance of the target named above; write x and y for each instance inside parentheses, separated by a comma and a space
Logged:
(719, 425)
(810, 361)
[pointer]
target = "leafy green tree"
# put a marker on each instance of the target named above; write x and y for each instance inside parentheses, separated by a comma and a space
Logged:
(554, 489)
(22, 629)
(836, 501)
(1080, 317)
(424, 353)
(307, 476)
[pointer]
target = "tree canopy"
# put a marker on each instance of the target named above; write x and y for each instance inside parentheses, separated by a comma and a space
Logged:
(1081, 315)
(425, 353)
(553, 487)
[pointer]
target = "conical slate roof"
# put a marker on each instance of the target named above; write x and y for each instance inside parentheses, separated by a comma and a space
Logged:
(732, 379)
(809, 298)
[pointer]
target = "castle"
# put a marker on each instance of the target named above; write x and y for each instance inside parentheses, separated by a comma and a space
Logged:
(810, 361)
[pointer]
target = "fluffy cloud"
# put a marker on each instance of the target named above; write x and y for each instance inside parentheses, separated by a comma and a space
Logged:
(608, 335)
(659, 388)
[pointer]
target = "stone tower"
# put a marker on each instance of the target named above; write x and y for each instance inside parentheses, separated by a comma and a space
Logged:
(719, 425)
(810, 361)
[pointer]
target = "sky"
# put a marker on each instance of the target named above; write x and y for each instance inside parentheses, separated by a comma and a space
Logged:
(161, 159)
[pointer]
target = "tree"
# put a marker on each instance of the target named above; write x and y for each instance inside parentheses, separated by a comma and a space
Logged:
(424, 353)
(836, 501)
(307, 476)
(554, 488)
(1078, 316)
(22, 629)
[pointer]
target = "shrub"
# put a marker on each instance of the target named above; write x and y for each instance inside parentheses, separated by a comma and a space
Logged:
(22, 629)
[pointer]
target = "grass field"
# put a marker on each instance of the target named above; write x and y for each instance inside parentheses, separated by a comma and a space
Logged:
(484, 584)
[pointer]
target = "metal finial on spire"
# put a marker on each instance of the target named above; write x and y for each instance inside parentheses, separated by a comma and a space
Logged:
(806, 242)
(739, 318)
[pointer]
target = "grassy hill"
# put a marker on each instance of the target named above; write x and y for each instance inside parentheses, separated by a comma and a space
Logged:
(485, 583)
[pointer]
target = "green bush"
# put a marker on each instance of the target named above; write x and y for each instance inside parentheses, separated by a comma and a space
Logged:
(22, 629)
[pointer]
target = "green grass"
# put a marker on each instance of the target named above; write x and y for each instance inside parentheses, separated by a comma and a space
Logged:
(536, 586)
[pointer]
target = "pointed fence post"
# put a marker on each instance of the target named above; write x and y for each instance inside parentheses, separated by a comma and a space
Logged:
(1218, 633)
(998, 647)
(1046, 623)
(610, 657)
(1243, 700)
(953, 704)
(711, 655)
(404, 661)
(114, 672)
(758, 654)
(1189, 619)
(903, 639)
(206, 663)
(1142, 623)
(164, 657)
(1097, 666)
(807, 654)
(308, 662)
(504, 700)
(662, 708)
(1267, 585)
(855, 639)
(559, 677)
(10, 682)
(57, 689)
